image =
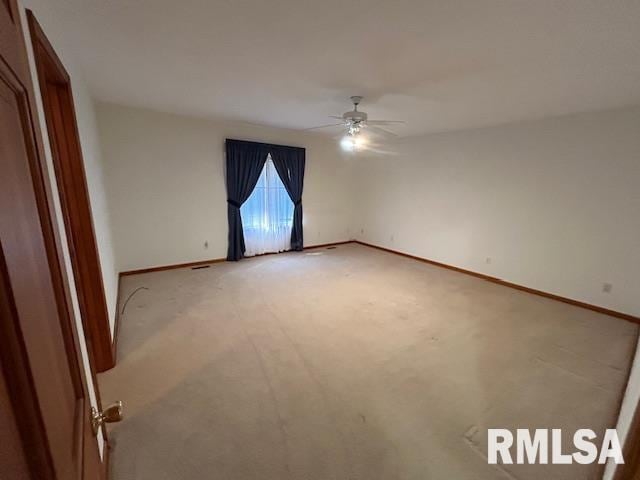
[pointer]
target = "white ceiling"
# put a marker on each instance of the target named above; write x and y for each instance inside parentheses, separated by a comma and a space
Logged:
(439, 65)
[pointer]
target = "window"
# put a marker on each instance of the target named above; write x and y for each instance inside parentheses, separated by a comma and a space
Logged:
(267, 215)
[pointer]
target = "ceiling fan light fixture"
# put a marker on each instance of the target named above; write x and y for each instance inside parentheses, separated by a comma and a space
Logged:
(353, 142)
(355, 121)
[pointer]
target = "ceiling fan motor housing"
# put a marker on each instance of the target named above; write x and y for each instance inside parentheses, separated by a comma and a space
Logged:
(355, 116)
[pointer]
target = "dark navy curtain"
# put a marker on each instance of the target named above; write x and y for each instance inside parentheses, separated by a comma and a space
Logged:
(245, 161)
(289, 163)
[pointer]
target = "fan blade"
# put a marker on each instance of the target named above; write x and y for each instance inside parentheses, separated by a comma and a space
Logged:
(377, 151)
(324, 126)
(335, 116)
(385, 122)
(381, 131)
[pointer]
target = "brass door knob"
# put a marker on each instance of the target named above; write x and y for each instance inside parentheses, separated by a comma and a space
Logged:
(111, 414)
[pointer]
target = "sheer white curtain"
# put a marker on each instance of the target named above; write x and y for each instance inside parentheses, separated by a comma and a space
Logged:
(267, 215)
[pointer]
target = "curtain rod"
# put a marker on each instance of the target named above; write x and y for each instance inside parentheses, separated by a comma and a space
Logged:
(269, 145)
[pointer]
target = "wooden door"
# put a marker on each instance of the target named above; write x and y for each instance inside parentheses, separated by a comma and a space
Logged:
(42, 367)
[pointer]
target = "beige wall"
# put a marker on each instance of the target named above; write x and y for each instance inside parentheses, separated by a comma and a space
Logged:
(96, 185)
(555, 203)
(166, 187)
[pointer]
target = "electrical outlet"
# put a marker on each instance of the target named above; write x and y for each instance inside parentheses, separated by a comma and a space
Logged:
(607, 287)
(487, 260)
(206, 244)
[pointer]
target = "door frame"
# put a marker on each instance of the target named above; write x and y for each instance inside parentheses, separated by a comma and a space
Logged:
(68, 162)
(630, 470)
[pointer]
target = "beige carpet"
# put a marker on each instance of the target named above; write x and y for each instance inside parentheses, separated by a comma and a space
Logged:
(350, 364)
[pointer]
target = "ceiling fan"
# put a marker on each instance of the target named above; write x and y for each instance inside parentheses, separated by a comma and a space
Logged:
(355, 121)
